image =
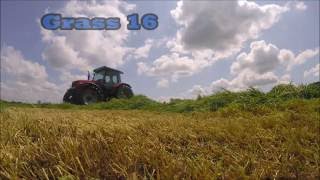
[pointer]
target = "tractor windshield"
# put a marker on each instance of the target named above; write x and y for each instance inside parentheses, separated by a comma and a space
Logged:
(98, 76)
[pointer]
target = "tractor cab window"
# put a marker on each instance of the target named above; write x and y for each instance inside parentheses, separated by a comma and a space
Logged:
(98, 76)
(115, 79)
(108, 79)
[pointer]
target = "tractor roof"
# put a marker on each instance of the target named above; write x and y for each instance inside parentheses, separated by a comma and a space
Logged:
(107, 69)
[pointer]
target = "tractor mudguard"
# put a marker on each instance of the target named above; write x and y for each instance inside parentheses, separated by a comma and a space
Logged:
(93, 86)
(121, 84)
(116, 86)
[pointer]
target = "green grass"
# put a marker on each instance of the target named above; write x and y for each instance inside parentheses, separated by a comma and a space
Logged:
(227, 135)
(249, 99)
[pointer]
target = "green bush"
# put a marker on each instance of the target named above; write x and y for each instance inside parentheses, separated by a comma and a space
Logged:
(284, 91)
(310, 91)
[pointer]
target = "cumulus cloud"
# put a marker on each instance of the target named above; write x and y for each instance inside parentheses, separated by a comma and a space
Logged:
(313, 71)
(257, 68)
(302, 57)
(86, 49)
(143, 51)
(25, 80)
(262, 58)
(253, 69)
(241, 82)
(244, 80)
(223, 26)
(172, 66)
(209, 31)
(265, 57)
(61, 55)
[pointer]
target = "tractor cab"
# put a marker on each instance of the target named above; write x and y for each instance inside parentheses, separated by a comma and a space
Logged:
(107, 76)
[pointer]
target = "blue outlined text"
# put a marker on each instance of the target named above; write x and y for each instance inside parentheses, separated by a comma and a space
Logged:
(54, 21)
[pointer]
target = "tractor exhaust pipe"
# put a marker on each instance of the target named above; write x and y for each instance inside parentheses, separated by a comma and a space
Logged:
(88, 75)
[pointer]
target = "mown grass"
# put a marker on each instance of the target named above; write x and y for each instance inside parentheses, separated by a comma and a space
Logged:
(224, 136)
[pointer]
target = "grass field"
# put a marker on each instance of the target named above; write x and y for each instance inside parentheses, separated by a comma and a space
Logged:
(214, 137)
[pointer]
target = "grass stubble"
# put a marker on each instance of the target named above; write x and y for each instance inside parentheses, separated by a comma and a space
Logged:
(42, 143)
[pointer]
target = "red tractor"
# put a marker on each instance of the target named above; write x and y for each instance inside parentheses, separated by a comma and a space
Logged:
(105, 84)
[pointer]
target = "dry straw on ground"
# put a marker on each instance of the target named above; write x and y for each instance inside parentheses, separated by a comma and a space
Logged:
(41, 143)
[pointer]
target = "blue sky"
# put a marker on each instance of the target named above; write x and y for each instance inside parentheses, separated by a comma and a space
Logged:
(188, 54)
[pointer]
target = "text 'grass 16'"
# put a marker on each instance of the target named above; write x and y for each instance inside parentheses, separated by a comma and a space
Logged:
(56, 21)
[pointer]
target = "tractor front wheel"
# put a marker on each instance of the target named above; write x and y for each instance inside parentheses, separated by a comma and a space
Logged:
(71, 96)
(89, 96)
(67, 98)
(124, 92)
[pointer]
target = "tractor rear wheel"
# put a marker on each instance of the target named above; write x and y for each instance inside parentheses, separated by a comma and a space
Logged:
(124, 92)
(89, 96)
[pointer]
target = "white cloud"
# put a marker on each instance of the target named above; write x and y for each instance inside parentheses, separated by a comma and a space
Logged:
(222, 26)
(61, 55)
(172, 66)
(285, 79)
(286, 56)
(265, 57)
(210, 31)
(313, 71)
(197, 90)
(163, 83)
(86, 49)
(24, 80)
(262, 58)
(241, 82)
(13, 62)
(143, 51)
(299, 6)
(257, 68)
(303, 56)
(244, 80)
